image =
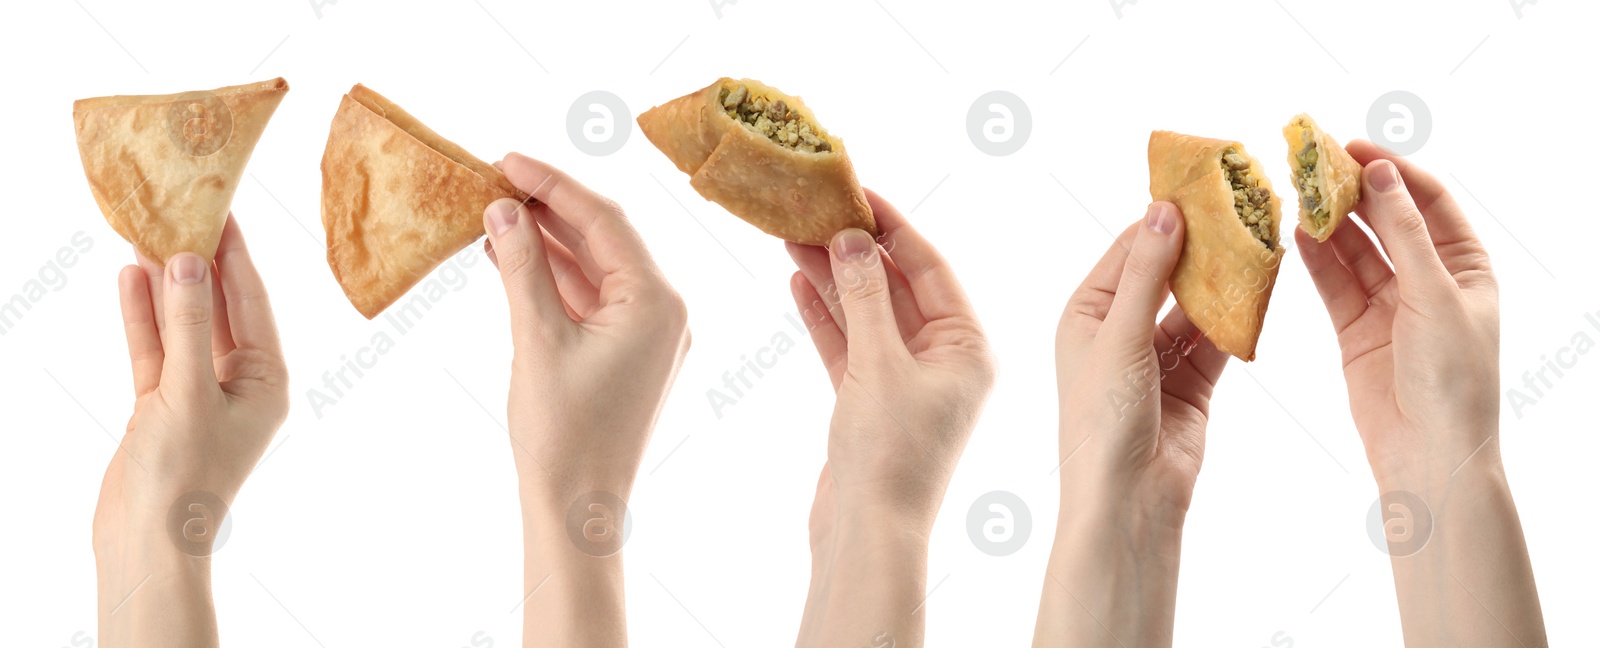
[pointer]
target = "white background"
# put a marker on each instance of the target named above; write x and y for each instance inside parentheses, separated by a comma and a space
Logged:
(391, 519)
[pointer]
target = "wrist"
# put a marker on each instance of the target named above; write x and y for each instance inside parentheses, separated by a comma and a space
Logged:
(1112, 570)
(878, 527)
(1453, 458)
(159, 531)
(1149, 505)
(874, 540)
(576, 523)
(1153, 530)
(1462, 494)
(905, 508)
(545, 497)
(867, 572)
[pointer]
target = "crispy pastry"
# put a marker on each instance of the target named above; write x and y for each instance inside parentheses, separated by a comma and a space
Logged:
(762, 155)
(163, 168)
(1230, 253)
(1327, 178)
(397, 199)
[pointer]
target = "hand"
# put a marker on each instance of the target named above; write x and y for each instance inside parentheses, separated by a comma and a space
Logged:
(210, 391)
(911, 369)
(1134, 400)
(1117, 430)
(598, 336)
(1420, 342)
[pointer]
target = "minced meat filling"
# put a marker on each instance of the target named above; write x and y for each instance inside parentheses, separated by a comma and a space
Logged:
(1250, 200)
(1306, 180)
(774, 120)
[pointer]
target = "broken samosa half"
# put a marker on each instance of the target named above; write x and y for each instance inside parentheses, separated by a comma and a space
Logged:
(1326, 177)
(1231, 254)
(163, 168)
(397, 199)
(763, 156)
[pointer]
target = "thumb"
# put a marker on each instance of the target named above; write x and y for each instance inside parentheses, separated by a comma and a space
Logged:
(518, 248)
(1143, 287)
(860, 277)
(1394, 217)
(188, 312)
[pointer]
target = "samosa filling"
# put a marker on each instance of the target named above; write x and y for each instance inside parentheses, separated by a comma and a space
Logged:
(1307, 181)
(774, 120)
(1251, 201)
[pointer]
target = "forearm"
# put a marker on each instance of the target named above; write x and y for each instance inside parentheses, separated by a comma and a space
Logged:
(868, 584)
(1471, 582)
(1112, 579)
(151, 594)
(572, 571)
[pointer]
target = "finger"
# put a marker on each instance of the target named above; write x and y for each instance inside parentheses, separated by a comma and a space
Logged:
(187, 338)
(155, 277)
(938, 292)
(1093, 297)
(590, 225)
(248, 309)
(536, 306)
(825, 334)
(814, 262)
(1143, 287)
(859, 274)
(139, 325)
(1356, 253)
(574, 286)
(906, 312)
(488, 249)
(221, 338)
(1458, 245)
(1183, 352)
(571, 239)
(578, 295)
(1341, 294)
(1388, 208)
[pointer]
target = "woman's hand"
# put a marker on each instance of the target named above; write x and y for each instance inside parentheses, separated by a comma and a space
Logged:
(210, 391)
(1420, 341)
(1134, 400)
(911, 369)
(1420, 345)
(1134, 395)
(598, 336)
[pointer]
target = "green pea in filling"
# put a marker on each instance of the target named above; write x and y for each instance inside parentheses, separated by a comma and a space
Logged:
(1251, 201)
(774, 120)
(1308, 182)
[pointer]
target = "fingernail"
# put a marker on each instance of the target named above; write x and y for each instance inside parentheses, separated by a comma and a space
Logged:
(188, 269)
(1162, 217)
(502, 215)
(1384, 176)
(853, 245)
